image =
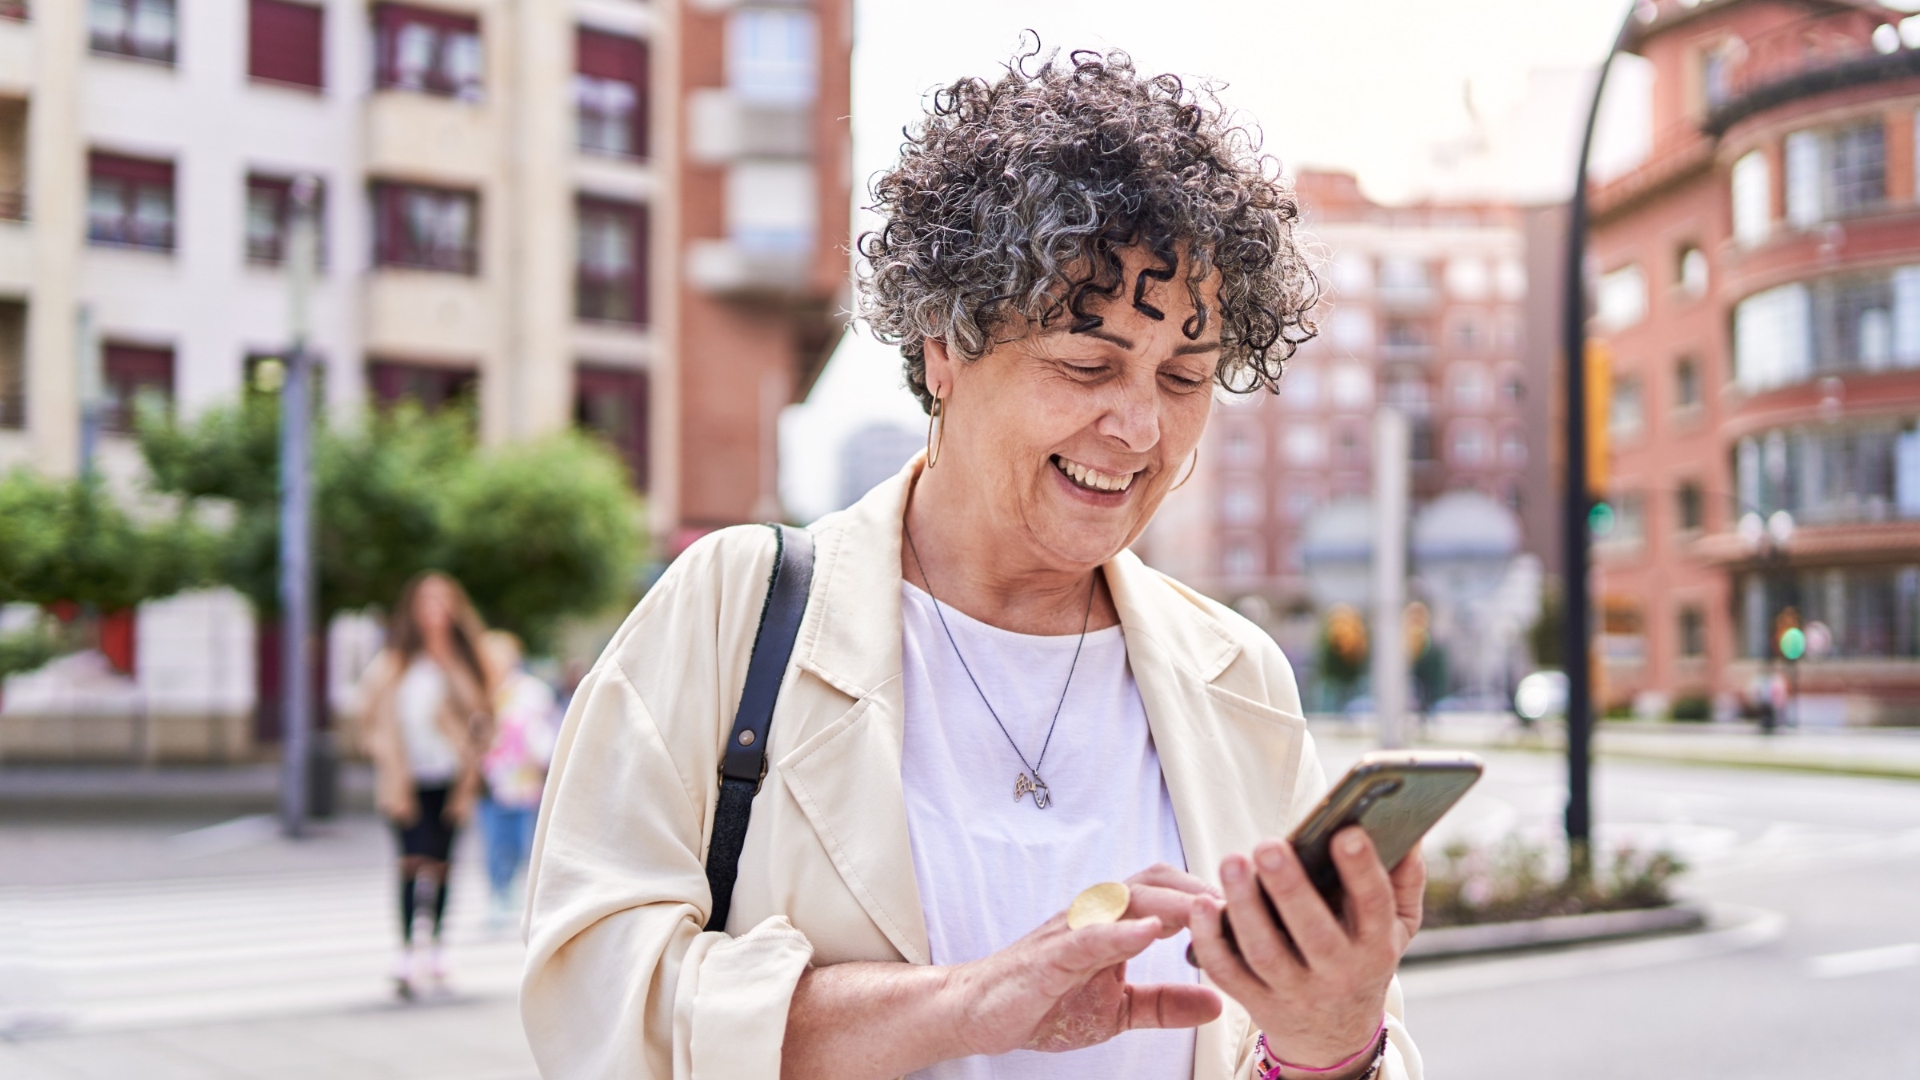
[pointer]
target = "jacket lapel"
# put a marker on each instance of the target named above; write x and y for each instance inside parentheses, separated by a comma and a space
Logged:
(844, 769)
(1229, 761)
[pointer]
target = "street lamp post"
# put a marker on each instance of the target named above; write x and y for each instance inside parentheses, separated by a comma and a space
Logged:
(296, 518)
(1578, 500)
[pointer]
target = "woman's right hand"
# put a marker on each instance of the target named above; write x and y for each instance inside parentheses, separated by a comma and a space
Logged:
(1058, 989)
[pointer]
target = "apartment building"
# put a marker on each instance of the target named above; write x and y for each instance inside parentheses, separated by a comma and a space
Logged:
(1425, 312)
(1759, 300)
(625, 215)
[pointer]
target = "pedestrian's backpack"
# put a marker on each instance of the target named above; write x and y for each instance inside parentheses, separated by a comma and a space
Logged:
(745, 762)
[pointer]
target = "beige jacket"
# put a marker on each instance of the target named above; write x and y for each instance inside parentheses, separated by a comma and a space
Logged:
(380, 737)
(621, 982)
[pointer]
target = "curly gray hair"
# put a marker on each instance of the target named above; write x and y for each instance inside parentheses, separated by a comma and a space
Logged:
(1014, 199)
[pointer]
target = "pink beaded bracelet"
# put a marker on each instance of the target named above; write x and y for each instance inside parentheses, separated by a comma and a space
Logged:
(1375, 1046)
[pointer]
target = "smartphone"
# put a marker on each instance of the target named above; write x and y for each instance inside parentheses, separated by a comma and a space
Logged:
(1395, 795)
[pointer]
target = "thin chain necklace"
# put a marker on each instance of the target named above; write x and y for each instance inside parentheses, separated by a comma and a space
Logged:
(1029, 781)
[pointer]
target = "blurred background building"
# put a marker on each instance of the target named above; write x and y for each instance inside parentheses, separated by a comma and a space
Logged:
(1427, 312)
(624, 215)
(1758, 301)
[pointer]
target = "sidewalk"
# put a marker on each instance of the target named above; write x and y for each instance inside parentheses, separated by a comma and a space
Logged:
(1884, 752)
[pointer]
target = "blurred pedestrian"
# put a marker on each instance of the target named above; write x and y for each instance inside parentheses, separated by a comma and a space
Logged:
(526, 714)
(428, 722)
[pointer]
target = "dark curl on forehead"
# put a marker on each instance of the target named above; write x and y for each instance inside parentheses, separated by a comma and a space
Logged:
(1014, 200)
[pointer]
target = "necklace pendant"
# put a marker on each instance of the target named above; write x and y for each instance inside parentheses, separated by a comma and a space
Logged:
(1025, 785)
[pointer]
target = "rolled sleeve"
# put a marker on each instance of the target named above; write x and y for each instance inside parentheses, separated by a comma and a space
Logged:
(731, 1009)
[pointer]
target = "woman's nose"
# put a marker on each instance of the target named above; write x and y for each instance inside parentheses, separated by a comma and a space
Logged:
(1134, 419)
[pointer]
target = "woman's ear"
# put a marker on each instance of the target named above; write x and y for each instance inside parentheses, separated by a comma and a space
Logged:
(940, 365)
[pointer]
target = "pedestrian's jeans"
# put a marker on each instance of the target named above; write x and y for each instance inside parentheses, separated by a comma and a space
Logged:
(508, 831)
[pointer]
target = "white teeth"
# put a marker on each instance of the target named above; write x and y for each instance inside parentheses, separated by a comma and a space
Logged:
(1094, 478)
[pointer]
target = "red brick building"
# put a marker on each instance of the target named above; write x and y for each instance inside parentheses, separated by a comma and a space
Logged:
(1758, 296)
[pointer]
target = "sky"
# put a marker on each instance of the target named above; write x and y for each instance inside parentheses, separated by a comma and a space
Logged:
(1370, 87)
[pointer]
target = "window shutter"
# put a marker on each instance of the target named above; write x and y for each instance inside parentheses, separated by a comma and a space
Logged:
(130, 170)
(285, 42)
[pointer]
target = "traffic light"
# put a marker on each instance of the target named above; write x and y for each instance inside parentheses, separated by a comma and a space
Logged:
(1600, 519)
(1599, 369)
(1788, 637)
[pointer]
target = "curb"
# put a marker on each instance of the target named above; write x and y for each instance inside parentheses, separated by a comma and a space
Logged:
(1454, 942)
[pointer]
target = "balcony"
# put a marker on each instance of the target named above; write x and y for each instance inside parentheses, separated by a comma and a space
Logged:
(1409, 298)
(1815, 55)
(425, 136)
(423, 313)
(723, 127)
(727, 268)
(16, 49)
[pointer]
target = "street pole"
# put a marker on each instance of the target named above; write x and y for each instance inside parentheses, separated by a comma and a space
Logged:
(92, 383)
(296, 522)
(1578, 502)
(1390, 444)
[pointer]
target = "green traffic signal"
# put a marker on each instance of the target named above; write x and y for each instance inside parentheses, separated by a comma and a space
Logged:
(1793, 643)
(1600, 520)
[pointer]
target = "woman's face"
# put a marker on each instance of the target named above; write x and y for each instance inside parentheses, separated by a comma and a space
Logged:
(433, 608)
(1068, 441)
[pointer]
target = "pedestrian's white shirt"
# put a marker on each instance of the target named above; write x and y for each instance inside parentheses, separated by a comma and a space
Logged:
(991, 869)
(421, 696)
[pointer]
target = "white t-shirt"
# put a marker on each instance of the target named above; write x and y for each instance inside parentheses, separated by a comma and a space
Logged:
(423, 690)
(991, 869)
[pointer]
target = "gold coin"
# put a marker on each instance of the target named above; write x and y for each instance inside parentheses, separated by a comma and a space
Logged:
(1102, 903)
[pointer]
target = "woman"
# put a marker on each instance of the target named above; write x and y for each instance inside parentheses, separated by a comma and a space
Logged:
(427, 724)
(514, 768)
(991, 704)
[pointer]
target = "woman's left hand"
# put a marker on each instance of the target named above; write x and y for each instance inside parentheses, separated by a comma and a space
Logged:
(1321, 998)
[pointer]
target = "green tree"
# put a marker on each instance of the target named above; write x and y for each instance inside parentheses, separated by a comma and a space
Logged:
(535, 532)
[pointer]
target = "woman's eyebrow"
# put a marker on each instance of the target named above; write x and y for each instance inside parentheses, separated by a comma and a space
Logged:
(1107, 335)
(1197, 347)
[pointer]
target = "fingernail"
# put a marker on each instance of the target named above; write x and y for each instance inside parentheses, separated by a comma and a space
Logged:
(1352, 844)
(1269, 856)
(1233, 871)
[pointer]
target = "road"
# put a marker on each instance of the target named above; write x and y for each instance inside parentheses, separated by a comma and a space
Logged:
(194, 945)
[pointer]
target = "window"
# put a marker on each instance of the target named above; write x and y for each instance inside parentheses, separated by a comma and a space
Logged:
(13, 364)
(270, 218)
(1240, 504)
(1686, 383)
(1351, 447)
(610, 94)
(1752, 199)
(430, 386)
(1630, 520)
(1351, 386)
(1835, 173)
(130, 202)
(612, 403)
(1513, 388)
(432, 52)
(1716, 72)
(1469, 444)
(1871, 611)
(1300, 503)
(137, 379)
(1510, 279)
(1472, 390)
(1626, 409)
(1867, 471)
(1352, 328)
(1513, 448)
(1690, 507)
(425, 228)
(1693, 632)
(1241, 446)
(13, 9)
(772, 55)
(610, 280)
(1469, 336)
(1241, 561)
(1352, 274)
(1300, 386)
(140, 28)
(1420, 439)
(1305, 444)
(1690, 271)
(285, 42)
(1468, 278)
(1848, 322)
(1406, 338)
(1621, 299)
(1408, 391)
(1401, 273)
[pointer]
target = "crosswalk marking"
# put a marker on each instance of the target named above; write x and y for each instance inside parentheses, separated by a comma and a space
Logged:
(136, 954)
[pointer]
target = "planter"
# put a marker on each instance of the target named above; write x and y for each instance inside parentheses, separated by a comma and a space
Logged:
(1458, 941)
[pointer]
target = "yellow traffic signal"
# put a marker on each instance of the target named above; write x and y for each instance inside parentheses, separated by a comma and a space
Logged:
(1599, 370)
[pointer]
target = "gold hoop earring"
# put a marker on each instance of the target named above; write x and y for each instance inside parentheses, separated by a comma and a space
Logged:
(936, 414)
(1190, 471)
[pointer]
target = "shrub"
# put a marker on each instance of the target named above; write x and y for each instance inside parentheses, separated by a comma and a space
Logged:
(1692, 708)
(1521, 880)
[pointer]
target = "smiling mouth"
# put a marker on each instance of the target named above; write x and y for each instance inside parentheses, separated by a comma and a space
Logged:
(1093, 479)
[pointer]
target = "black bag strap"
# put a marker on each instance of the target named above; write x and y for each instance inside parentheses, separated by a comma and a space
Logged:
(745, 762)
